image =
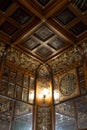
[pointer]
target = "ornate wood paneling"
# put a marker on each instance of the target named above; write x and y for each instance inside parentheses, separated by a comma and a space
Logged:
(44, 123)
(14, 84)
(65, 16)
(51, 25)
(68, 86)
(23, 60)
(78, 28)
(50, 31)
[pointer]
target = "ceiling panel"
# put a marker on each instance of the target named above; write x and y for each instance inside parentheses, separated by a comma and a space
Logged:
(31, 44)
(56, 43)
(43, 28)
(43, 3)
(21, 16)
(65, 16)
(82, 6)
(4, 4)
(78, 28)
(8, 28)
(44, 52)
(43, 33)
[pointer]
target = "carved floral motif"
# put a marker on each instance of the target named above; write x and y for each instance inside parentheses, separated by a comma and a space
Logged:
(23, 60)
(84, 46)
(43, 123)
(69, 57)
(44, 71)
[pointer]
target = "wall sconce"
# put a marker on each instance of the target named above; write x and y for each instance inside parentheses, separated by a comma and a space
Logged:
(43, 96)
(45, 92)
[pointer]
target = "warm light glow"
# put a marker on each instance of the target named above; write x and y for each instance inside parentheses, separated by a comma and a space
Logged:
(56, 95)
(31, 95)
(45, 91)
(40, 96)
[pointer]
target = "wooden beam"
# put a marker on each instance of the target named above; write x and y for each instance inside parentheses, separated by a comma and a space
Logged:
(62, 32)
(30, 8)
(48, 12)
(83, 37)
(4, 38)
(35, 107)
(22, 115)
(14, 99)
(3, 60)
(9, 11)
(12, 116)
(25, 32)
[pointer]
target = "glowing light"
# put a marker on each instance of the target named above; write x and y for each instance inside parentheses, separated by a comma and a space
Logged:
(32, 95)
(56, 95)
(40, 96)
(45, 91)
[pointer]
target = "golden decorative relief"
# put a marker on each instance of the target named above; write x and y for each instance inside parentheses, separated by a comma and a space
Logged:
(68, 86)
(84, 46)
(24, 61)
(41, 85)
(43, 123)
(55, 89)
(44, 71)
(2, 48)
(17, 85)
(66, 59)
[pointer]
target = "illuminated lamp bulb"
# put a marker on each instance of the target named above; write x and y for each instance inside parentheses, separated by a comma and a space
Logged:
(45, 91)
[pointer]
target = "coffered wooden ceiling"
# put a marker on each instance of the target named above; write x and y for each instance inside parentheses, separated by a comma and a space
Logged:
(42, 28)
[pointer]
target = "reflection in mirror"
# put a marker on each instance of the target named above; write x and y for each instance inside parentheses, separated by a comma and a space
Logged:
(23, 117)
(5, 114)
(82, 112)
(71, 115)
(15, 115)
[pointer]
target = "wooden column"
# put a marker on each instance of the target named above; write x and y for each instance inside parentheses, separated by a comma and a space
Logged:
(43, 109)
(53, 107)
(3, 59)
(34, 108)
(12, 116)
